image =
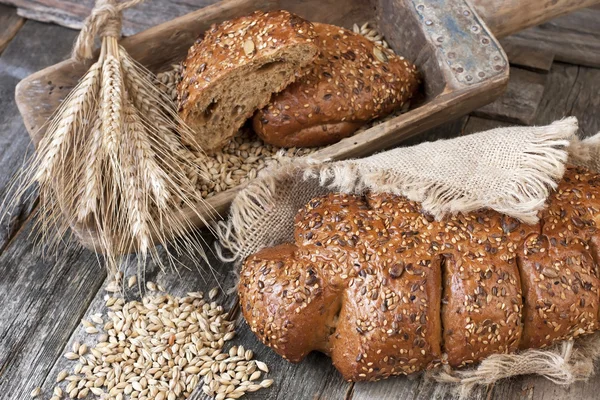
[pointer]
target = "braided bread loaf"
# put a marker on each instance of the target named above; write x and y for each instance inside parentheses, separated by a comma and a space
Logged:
(385, 290)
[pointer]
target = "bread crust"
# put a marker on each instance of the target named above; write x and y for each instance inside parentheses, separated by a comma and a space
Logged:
(351, 82)
(402, 292)
(237, 51)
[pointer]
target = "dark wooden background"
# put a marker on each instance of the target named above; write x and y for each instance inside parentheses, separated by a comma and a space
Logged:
(554, 73)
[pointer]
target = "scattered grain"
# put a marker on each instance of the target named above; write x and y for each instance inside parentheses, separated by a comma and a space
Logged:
(131, 281)
(162, 347)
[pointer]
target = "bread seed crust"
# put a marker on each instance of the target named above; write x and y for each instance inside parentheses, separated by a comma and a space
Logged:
(352, 81)
(364, 281)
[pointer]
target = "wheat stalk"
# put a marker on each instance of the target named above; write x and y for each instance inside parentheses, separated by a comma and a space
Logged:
(68, 116)
(133, 177)
(112, 162)
(92, 184)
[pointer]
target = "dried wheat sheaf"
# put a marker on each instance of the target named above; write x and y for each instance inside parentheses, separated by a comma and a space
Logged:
(111, 165)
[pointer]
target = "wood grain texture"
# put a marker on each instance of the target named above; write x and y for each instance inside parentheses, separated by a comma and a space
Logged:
(505, 17)
(10, 23)
(573, 38)
(35, 46)
(42, 301)
(527, 57)
(71, 13)
(584, 100)
(520, 102)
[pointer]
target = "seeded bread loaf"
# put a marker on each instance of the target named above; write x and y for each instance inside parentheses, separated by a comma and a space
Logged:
(384, 289)
(351, 82)
(236, 67)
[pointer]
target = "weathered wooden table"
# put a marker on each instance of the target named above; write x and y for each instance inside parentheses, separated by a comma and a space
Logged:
(554, 73)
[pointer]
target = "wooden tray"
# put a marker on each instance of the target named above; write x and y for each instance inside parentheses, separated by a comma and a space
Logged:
(462, 64)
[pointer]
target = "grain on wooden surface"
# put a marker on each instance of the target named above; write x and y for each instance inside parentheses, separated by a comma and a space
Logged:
(10, 23)
(35, 46)
(71, 14)
(42, 301)
(520, 102)
(304, 381)
(527, 57)
(573, 38)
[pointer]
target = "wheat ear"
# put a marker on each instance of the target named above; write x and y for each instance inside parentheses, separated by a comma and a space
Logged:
(69, 114)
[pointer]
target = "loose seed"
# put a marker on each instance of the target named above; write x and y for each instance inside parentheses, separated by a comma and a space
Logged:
(61, 375)
(36, 392)
(131, 281)
(167, 369)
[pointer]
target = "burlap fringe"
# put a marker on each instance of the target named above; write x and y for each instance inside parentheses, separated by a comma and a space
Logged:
(542, 164)
(568, 362)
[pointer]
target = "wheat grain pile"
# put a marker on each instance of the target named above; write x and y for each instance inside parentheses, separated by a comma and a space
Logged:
(161, 348)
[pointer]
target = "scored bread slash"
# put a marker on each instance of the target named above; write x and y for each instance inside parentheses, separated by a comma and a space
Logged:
(236, 67)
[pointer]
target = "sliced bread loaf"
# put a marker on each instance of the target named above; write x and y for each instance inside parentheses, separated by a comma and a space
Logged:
(352, 82)
(236, 67)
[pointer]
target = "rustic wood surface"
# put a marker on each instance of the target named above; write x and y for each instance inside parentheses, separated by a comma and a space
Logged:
(528, 57)
(573, 38)
(519, 103)
(10, 23)
(43, 299)
(71, 13)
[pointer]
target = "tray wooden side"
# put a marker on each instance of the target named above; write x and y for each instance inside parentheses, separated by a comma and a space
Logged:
(462, 64)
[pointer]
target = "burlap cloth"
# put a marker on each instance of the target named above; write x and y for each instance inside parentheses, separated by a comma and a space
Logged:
(511, 170)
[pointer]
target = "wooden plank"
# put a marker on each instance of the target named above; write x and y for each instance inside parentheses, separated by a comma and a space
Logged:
(519, 103)
(584, 101)
(448, 130)
(476, 124)
(42, 301)
(415, 388)
(527, 57)
(554, 105)
(35, 46)
(10, 23)
(536, 388)
(573, 38)
(71, 13)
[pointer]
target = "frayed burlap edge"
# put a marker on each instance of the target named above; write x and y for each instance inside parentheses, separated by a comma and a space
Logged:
(257, 218)
(565, 363)
(543, 163)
